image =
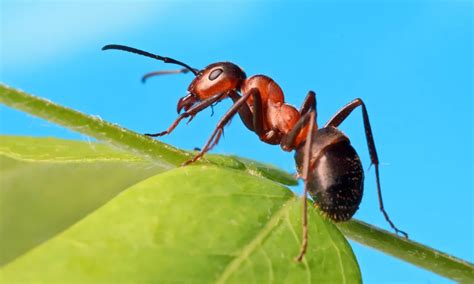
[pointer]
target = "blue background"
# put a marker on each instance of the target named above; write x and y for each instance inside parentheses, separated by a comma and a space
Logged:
(411, 62)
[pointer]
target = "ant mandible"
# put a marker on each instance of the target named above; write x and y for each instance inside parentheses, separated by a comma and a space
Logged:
(325, 160)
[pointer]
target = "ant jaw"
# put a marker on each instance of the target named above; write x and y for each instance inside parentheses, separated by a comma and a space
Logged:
(186, 102)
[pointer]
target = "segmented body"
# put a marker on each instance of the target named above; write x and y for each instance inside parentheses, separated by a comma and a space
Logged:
(279, 117)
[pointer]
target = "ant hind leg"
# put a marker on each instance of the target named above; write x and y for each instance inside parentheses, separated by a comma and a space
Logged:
(336, 120)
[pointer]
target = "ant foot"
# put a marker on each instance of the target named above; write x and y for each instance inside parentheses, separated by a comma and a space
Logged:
(299, 258)
(405, 235)
(188, 162)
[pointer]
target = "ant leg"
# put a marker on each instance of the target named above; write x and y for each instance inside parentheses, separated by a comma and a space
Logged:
(289, 140)
(253, 120)
(257, 115)
(337, 119)
(214, 139)
(244, 112)
(190, 113)
(305, 176)
(309, 103)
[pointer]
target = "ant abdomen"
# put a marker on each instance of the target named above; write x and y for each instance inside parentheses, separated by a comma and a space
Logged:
(336, 177)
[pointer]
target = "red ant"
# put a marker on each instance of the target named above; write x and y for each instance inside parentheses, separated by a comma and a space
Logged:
(326, 161)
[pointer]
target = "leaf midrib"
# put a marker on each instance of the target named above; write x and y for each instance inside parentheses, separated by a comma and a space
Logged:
(257, 240)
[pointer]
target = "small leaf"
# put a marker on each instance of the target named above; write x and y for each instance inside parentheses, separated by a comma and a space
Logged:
(49, 184)
(37, 149)
(197, 224)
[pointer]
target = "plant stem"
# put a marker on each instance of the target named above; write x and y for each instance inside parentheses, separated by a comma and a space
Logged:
(410, 251)
(94, 127)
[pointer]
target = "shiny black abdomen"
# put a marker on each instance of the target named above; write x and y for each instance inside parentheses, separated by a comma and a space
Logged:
(337, 181)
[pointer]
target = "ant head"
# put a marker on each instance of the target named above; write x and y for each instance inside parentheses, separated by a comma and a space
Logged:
(217, 78)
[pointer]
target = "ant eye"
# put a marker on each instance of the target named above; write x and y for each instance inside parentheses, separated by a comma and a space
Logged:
(214, 74)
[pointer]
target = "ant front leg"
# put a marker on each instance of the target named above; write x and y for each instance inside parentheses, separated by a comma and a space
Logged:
(216, 135)
(190, 113)
(337, 119)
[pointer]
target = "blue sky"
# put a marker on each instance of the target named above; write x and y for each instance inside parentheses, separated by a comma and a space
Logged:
(410, 61)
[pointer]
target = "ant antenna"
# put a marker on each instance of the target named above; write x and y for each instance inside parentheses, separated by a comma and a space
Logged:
(147, 54)
(164, 72)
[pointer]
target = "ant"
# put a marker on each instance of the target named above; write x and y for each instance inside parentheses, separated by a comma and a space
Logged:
(325, 160)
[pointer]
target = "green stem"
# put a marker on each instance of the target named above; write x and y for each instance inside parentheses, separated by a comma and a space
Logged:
(365, 234)
(410, 251)
(94, 127)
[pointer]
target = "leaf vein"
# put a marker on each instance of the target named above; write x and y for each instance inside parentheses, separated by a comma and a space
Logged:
(255, 243)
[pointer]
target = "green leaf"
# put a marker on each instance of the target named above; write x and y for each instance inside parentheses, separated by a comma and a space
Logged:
(197, 224)
(49, 184)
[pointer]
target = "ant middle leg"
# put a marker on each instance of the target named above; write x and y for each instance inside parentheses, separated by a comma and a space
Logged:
(305, 177)
(189, 113)
(288, 142)
(309, 103)
(337, 119)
